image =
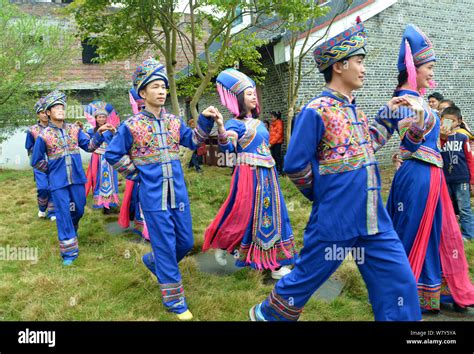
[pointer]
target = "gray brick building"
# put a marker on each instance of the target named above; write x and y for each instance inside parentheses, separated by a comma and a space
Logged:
(448, 23)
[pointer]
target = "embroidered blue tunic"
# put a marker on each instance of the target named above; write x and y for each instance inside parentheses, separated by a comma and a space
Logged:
(331, 160)
(146, 148)
(64, 164)
(66, 178)
(336, 160)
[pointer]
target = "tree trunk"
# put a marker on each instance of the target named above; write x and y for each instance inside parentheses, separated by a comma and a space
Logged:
(291, 115)
(172, 90)
(199, 92)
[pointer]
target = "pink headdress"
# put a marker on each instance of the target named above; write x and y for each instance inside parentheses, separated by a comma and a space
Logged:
(136, 101)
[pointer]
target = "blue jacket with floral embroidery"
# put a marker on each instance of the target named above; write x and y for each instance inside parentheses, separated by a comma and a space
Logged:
(146, 149)
(61, 146)
(331, 160)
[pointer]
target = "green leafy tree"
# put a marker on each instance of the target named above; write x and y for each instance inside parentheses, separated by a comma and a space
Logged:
(31, 51)
(239, 54)
(299, 17)
(131, 28)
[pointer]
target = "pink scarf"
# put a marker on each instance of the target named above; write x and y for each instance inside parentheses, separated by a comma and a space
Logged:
(453, 259)
(92, 173)
(229, 235)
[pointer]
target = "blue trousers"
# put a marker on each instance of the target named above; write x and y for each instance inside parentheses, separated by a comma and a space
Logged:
(69, 204)
(461, 197)
(171, 238)
(43, 194)
(382, 262)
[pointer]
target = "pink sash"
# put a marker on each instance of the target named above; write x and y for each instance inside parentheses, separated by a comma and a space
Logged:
(124, 216)
(453, 258)
(92, 173)
(232, 230)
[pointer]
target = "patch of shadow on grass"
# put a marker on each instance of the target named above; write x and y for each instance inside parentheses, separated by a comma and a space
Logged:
(447, 313)
(207, 264)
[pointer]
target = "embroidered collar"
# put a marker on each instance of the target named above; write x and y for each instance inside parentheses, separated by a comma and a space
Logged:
(327, 91)
(151, 115)
(51, 124)
(401, 92)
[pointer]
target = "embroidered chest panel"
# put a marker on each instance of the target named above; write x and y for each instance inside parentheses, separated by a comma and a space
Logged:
(61, 142)
(345, 136)
(429, 151)
(251, 126)
(154, 138)
(36, 130)
(345, 144)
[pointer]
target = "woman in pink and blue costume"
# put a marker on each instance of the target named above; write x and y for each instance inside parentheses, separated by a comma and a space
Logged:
(102, 179)
(419, 202)
(45, 202)
(253, 223)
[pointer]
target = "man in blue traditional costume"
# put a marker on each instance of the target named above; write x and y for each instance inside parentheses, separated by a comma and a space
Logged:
(56, 153)
(146, 150)
(45, 202)
(331, 160)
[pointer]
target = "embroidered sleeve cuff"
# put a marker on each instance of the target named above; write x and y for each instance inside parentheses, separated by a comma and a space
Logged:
(415, 134)
(126, 167)
(227, 145)
(303, 180)
(202, 130)
(223, 139)
(96, 140)
(42, 166)
(379, 135)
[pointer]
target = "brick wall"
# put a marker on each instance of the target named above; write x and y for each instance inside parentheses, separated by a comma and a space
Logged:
(454, 71)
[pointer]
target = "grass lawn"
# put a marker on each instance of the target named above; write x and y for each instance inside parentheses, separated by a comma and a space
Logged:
(109, 282)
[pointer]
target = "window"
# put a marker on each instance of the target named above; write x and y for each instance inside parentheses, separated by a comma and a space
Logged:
(89, 52)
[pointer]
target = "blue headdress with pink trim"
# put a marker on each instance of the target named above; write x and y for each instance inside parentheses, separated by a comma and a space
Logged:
(415, 50)
(231, 83)
(136, 101)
